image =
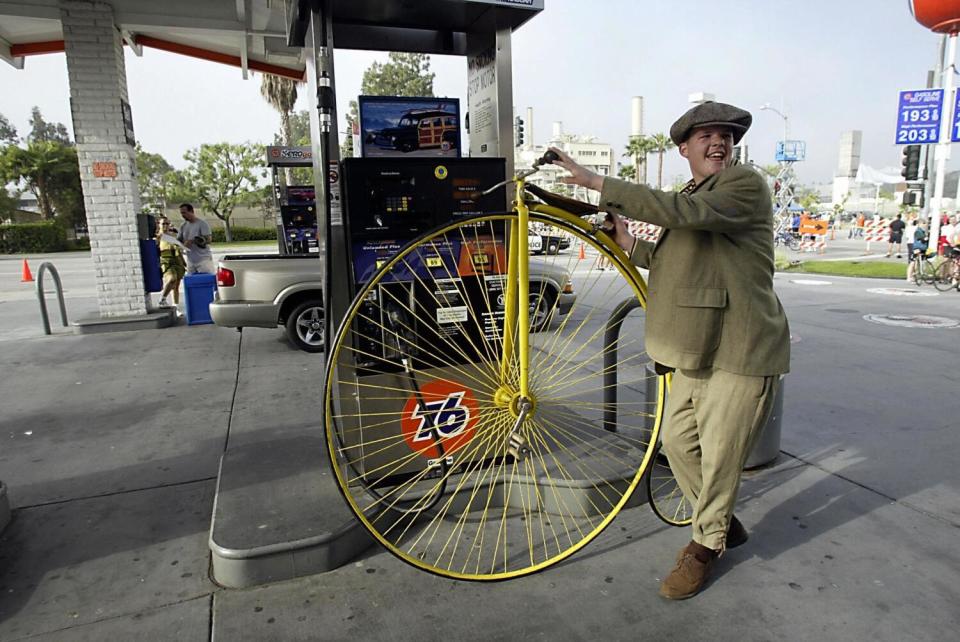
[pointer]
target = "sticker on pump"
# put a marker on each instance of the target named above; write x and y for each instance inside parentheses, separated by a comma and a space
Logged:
(440, 172)
(446, 412)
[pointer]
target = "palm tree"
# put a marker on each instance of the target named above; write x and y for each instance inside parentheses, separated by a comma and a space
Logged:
(661, 143)
(281, 93)
(627, 172)
(637, 148)
(39, 165)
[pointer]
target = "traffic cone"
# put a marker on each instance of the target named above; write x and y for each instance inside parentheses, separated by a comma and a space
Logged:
(27, 275)
(582, 256)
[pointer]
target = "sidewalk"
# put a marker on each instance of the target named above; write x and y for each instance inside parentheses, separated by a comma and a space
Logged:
(110, 445)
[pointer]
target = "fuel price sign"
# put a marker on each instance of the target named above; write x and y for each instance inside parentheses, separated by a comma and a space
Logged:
(918, 116)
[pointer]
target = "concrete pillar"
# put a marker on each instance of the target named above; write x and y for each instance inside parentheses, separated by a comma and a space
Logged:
(98, 84)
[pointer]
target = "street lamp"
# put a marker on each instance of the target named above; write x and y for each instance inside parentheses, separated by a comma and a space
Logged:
(767, 107)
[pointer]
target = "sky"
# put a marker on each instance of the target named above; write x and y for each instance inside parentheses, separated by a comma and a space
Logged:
(830, 66)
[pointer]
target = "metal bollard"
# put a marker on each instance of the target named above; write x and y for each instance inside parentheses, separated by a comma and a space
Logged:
(43, 302)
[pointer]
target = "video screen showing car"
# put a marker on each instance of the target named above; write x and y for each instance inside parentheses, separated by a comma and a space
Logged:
(409, 126)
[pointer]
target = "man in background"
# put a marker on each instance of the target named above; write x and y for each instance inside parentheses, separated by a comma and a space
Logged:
(196, 236)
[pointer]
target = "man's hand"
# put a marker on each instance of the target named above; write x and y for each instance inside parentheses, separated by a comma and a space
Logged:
(616, 227)
(579, 175)
(188, 242)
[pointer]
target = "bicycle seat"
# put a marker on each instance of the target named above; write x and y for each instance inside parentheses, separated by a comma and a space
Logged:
(572, 205)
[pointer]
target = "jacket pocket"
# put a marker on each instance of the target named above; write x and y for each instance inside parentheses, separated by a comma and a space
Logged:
(700, 318)
(702, 297)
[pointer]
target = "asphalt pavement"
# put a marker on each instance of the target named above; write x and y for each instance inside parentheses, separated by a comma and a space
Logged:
(110, 444)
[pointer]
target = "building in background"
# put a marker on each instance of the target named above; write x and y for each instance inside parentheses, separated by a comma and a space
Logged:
(845, 187)
(586, 150)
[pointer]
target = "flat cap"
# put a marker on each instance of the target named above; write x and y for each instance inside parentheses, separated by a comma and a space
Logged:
(711, 113)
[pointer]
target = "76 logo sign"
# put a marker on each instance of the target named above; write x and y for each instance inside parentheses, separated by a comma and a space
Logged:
(447, 415)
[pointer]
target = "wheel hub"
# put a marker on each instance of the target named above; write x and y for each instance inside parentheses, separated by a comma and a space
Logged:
(512, 400)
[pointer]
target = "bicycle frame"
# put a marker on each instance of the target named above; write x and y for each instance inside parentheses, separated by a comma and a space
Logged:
(517, 314)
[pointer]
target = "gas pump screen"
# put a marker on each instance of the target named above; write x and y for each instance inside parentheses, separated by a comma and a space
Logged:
(409, 127)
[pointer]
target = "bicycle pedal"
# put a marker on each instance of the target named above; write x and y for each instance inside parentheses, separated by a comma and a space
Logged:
(517, 447)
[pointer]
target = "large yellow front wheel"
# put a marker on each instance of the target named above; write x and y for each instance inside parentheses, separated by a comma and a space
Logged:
(433, 447)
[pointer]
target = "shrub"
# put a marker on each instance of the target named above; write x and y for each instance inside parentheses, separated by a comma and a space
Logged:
(32, 237)
(78, 244)
(245, 234)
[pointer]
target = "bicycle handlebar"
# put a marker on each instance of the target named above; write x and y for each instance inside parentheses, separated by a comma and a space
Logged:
(546, 159)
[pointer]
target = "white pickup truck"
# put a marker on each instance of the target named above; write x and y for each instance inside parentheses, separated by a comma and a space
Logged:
(266, 291)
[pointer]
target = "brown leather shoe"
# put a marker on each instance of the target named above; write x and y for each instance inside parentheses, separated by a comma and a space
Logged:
(690, 574)
(736, 533)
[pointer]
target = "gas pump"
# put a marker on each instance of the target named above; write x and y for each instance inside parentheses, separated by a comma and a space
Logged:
(352, 241)
(296, 204)
(387, 203)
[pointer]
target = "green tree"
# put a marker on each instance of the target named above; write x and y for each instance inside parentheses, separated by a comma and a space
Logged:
(299, 129)
(637, 148)
(41, 130)
(8, 133)
(8, 203)
(176, 188)
(66, 193)
(809, 200)
(660, 144)
(222, 176)
(152, 171)
(404, 74)
(44, 166)
(627, 172)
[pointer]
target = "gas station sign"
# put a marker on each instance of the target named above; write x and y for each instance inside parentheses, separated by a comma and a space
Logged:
(918, 116)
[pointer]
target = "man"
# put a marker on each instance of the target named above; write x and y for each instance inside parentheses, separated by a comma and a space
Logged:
(896, 235)
(196, 236)
(712, 316)
(908, 233)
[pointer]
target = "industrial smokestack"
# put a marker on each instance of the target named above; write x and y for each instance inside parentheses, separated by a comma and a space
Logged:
(557, 130)
(636, 116)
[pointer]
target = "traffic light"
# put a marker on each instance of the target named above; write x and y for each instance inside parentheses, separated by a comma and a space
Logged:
(913, 197)
(518, 131)
(911, 162)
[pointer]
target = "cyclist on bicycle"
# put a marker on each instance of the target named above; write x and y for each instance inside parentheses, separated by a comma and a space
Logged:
(713, 316)
(920, 244)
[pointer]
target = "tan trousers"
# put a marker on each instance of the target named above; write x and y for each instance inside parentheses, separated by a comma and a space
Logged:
(711, 422)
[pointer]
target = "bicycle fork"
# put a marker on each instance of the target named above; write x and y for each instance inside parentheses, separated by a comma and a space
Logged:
(516, 323)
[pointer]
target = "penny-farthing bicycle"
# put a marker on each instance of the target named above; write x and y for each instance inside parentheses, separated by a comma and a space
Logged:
(463, 406)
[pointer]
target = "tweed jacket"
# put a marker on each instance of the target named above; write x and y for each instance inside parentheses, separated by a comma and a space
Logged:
(711, 299)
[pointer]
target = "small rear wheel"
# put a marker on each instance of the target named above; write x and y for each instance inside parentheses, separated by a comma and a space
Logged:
(305, 326)
(666, 498)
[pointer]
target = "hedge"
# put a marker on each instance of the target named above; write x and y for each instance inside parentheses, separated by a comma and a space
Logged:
(245, 234)
(21, 238)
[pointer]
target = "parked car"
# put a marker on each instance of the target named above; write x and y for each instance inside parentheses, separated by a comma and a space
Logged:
(266, 291)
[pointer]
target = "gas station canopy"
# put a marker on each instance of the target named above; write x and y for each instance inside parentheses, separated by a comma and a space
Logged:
(253, 34)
